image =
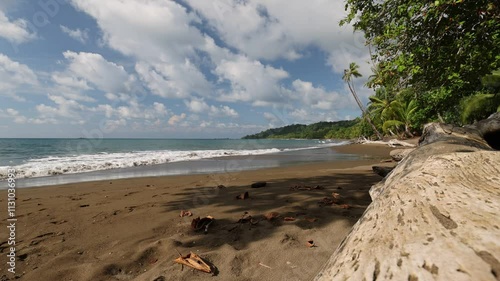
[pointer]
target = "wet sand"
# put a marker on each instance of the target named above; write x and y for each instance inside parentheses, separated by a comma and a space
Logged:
(130, 229)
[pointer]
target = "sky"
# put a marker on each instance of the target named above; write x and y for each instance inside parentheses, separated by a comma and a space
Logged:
(174, 69)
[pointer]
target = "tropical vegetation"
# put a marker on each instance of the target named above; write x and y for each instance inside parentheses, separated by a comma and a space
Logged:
(432, 61)
(322, 130)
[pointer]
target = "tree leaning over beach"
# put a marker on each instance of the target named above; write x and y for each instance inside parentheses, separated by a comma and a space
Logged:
(347, 77)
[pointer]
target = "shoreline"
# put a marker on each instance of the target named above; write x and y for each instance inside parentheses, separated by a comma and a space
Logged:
(210, 165)
(71, 157)
(130, 228)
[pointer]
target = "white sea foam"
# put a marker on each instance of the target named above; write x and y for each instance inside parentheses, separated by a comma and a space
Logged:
(70, 164)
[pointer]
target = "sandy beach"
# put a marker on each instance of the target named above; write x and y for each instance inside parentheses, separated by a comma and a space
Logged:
(131, 229)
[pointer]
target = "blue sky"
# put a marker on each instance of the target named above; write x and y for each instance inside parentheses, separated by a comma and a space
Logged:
(173, 69)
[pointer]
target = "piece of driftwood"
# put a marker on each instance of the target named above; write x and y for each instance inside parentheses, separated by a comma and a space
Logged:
(435, 217)
(194, 261)
(391, 143)
(399, 154)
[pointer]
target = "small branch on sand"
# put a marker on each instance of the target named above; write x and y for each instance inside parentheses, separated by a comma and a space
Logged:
(391, 143)
(261, 264)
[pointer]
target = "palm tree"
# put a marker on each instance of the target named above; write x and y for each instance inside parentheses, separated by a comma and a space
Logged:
(376, 79)
(400, 115)
(379, 104)
(348, 74)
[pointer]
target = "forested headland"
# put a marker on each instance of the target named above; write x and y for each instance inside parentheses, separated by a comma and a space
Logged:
(347, 129)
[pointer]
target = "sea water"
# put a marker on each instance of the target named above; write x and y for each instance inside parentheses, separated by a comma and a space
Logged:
(34, 158)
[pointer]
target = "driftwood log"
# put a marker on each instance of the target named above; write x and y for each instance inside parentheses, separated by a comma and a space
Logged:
(391, 143)
(399, 154)
(436, 216)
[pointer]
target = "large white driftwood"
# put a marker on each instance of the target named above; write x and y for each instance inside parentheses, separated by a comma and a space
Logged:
(400, 154)
(436, 216)
(391, 143)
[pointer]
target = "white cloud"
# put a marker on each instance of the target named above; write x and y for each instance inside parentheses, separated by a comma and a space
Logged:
(93, 68)
(224, 110)
(111, 96)
(165, 31)
(287, 27)
(176, 119)
(270, 30)
(18, 118)
(111, 125)
(251, 81)
(77, 34)
(160, 109)
(165, 44)
(301, 115)
(15, 31)
(319, 98)
(70, 81)
(132, 109)
(200, 106)
(273, 120)
(62, 108)
(243, 26)
(176, 60)
(173, 81)
(197, 106)
(14, 75)
(90, 71)
(169, 58)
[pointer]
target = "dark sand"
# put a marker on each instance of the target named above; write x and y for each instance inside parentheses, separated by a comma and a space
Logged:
(131, 230)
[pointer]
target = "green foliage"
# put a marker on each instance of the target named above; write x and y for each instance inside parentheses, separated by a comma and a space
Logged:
(479, 106)
(399, 117)
(443, 50)
(393, 114)
(491, 82)
(332, 130)
(283, 131)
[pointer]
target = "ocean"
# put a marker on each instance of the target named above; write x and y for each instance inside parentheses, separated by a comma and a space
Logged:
(55, 161)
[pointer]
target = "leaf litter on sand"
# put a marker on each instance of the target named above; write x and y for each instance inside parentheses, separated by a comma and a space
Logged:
(194, 261)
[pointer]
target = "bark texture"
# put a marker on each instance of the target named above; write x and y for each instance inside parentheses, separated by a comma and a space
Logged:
(399, 154)
(434, 217)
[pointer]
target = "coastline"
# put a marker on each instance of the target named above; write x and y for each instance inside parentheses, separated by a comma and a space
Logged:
(230, 163)
(130, 228)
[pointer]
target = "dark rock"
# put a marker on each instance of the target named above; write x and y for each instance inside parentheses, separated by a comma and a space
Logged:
(243, 196)
(22, 257)
(382, 171)
(259, 184)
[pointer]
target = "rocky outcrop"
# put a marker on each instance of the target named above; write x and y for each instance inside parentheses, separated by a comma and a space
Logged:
(434, 217)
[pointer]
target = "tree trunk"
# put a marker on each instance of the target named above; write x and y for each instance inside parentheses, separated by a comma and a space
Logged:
(434, 217)
(365, 115)
(407, 131)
